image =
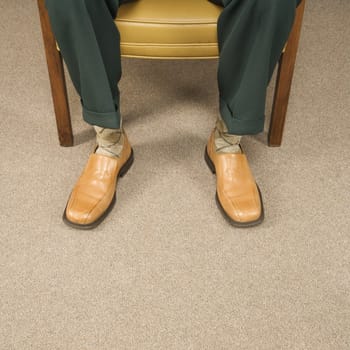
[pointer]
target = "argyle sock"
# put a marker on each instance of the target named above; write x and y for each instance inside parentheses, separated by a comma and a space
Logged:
(110, 141)
(225, 142)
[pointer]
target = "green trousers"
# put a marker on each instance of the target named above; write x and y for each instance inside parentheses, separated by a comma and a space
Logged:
(251, 37)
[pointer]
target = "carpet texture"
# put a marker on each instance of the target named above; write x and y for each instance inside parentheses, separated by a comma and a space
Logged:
(165, 270)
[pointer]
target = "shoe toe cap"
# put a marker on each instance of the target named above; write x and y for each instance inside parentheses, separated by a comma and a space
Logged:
(245, 209)
(81, 209)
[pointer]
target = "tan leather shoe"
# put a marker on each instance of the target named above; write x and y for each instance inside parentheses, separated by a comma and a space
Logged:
(237, 194)
(94, 193)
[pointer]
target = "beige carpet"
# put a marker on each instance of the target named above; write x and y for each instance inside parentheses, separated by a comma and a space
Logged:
(165, 270)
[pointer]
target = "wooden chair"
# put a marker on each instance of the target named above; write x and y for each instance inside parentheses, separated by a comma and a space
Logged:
(131, 20)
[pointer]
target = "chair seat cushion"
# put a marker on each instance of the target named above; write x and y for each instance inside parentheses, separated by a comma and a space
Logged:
(169, 28)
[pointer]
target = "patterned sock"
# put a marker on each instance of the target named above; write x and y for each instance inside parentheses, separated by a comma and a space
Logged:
(110, 141)
(225, 142)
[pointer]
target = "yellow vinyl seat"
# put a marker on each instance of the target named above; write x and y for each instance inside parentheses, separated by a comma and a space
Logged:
(169, 29)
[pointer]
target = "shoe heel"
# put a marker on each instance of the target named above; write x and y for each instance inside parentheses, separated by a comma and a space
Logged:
(209, 162)
(127, 165)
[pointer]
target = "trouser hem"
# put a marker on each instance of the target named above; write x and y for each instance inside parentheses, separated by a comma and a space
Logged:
(244, 125)
(110, 120)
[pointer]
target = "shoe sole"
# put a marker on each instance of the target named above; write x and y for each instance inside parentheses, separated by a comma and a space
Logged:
(123, 170)
(234, 223)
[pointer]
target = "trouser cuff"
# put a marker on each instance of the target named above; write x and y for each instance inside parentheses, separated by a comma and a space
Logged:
(109, 120)
(240, 125)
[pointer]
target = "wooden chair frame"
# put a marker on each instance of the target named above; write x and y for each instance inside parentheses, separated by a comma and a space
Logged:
(59, 90)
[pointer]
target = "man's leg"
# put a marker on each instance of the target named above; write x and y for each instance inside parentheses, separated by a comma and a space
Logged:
(251, 37)
(90, 45)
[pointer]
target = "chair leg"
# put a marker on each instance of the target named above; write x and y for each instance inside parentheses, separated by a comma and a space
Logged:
(57, 79)
(284, 81)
